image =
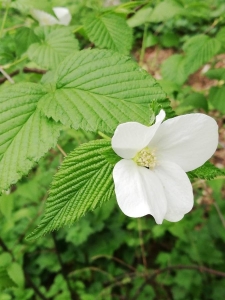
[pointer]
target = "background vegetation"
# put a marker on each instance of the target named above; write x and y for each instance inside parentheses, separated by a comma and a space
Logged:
(106, 255)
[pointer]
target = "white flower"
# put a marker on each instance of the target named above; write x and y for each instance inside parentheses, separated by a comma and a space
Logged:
(151, 178)
(62, 13)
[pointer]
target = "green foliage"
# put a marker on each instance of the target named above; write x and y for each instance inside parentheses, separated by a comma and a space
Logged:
(26, 135)
(24, 38)
(207, 171)
(173, 69)
(109, 31)
(166, 10)
(55, 43)
(83, 183)
(216, 97)
(98, 89)
(200, 49)
(140, 17)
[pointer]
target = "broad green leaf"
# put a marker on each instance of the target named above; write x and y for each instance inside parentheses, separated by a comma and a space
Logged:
(199, 50)
(109, 31)
(15, 272)
(5, 280)
(221, 36)
(5, 259)
(24, 38)
(173, 69)
(206, 171)
(216, 97)
(165, 10)
(140, 17)
(56, 43)
(83, 183)
(25, 134)
(6, 205)
(98, 89)
(195, 100)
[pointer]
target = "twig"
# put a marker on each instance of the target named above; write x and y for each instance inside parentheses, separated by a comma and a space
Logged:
(3, 79)
(61, 150)
(64, 273)
(114, 258)
(178, 267)
(7, 76)
(4, 17)
(33, 70)
(219, 213)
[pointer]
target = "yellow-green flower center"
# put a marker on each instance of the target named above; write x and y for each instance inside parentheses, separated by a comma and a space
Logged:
(146, 158)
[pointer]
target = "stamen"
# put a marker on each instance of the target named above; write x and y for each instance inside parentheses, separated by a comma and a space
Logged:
(146, 158)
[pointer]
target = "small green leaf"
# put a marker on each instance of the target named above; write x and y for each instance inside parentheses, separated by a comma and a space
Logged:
(173, 69)
(195, 100)
(218, 74)
(199, 50)
(98, 89)
(165, 10)
(5, 280)
(109, 31)
(216, 97)
(6, 205)
(24, 38)
(140, 17)
(83, 183)
(15, 272)
(5, 259)
(25, 134)
(56, 43)
(207, 171)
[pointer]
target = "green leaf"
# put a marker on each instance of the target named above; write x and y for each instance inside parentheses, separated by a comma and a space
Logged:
(5, 280)
(221, 36)
(25, 134)
(83, 183)
(207, 171)
(195, 100)
(140, 17)
(24, 38)
(173, 69)
(15, 272)
(109, 31)
(6, 205)
(216, 97)
(165, 10)
(218, 74)
(56, 43)
(200, 49)
(98, 89)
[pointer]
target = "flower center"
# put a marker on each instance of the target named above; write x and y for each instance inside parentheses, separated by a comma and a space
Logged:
(146, 158)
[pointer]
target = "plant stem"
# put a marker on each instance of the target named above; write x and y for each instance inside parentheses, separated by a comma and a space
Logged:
(5, 17)
(141, 60)
(61, 150)
(104, 136)
(6, 75)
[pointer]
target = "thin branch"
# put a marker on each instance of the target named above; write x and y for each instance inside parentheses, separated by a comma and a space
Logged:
(4, 17)
(6, 75)
(3, 79)
(144, 261)
(34, 70)
(61, 150)
(178, 267)
(115, 259)
(219, 213)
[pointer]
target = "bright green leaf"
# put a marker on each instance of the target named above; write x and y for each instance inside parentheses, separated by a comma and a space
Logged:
(5, 259)
(206, 171)
(25, 134)
(173, 69)
(56, 43)
(165, 10)
(5, 280)
(15, 272)
(218, 74)
(109, 31)
(98, 89)
(6, 205)
(199, 50)
(24, 38)
(83, 183)
(216, 97)
(140, 17)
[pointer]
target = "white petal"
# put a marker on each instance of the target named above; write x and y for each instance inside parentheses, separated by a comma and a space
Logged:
(177, 188)
(43, 18)
(63, 14)
(131, 137)
(138, 191)
(188, 140)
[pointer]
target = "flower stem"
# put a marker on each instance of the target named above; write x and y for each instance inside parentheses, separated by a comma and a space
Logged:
(5, 17)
